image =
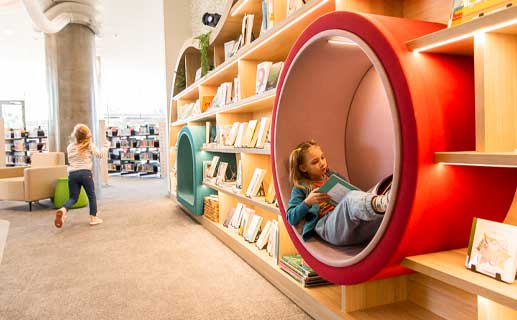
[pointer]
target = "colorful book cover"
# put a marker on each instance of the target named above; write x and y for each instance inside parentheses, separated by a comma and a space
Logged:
(274, 73)
(296, 261)
(467, 10)
(493, 249)
(336, 188)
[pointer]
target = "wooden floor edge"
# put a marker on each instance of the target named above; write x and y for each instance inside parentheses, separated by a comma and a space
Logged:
(294, 292)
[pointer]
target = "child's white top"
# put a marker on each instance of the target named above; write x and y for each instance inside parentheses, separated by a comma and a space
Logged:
(83, 161)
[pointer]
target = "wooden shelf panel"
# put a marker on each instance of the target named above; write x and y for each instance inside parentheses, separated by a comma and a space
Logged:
(283, 35)
(259, 102)
(255, 201)
(226, 72)
(503, 159)
(460, 39)
(237, 150)
(190, 93)
(449, 267)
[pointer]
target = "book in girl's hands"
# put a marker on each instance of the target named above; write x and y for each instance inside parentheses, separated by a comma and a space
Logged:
(336, 188)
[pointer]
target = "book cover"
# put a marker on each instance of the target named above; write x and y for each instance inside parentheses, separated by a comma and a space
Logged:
(296, 261)
(229, 217)
(238, 180)
(237, 215)
(493, 249)
(264, 236)
(253, 229)
(228, 48)
(274, 73)
(232, 135)
(263, 26)
(221, 173)
(271, 193)
(213, 166)
(255, 182)
(246, 217)
(236, 89)
(336, 188)
(262, 132)
(250, 132)
(240, 134)
(262, 76)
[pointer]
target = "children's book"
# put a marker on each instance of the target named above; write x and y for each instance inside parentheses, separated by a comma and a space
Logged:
(213, 166)
(337, 188)
(262, 76)
(229, 217)
(274, 73)
(493, 249)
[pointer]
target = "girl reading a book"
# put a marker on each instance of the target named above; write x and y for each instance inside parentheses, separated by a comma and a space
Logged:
(81, 151)
(353, 220)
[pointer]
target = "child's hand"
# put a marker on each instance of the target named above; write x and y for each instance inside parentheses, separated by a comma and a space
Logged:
(316, 197)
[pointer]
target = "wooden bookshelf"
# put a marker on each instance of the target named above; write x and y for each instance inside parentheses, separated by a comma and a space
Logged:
(255, 201)
(501, 159)
(449, 267)
(460, 39)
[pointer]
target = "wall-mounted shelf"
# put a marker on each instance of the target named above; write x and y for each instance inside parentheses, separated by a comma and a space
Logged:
(255, 201)
(449, 267)
(237, 150)
(460, 39)
(251, 104)
(473, 158)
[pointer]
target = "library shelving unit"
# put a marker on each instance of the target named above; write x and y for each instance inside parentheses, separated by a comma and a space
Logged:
(134, 151)
(20, 144)
(422, 127)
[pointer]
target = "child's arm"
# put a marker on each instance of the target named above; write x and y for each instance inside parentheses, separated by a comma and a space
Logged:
(297, 208)
(99, 153)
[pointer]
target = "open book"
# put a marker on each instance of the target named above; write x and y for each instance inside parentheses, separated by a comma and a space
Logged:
(336, 188)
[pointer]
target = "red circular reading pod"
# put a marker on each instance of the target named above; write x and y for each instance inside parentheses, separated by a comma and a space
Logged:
(376, 108)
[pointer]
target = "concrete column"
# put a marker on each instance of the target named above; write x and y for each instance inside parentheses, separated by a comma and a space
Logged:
(70, 56)
(71, 80)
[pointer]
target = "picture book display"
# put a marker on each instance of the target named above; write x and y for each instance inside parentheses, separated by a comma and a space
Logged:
(493, 249)
(262, 76)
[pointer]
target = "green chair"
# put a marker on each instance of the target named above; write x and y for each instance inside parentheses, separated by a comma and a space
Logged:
(61, 195)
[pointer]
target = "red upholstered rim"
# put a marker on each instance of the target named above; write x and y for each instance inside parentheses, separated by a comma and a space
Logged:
(388, 53)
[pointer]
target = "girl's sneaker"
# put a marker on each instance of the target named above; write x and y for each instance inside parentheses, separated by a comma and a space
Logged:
(380, 203)
(60, 217)
(95, 221)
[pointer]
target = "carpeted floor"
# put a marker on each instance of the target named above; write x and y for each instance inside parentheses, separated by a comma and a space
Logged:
(148, 260)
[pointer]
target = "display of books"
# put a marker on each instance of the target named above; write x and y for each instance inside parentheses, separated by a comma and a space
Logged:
(467, 10)
(493, 249)
(294, 266)
(265, 124)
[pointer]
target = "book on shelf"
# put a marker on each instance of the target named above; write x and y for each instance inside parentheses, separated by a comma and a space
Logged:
(238, 180)
(223, 95)
(263, 69)
(263, 132)
(205, 103)
(239, 140)
(213, 165)
(236, 89)
(221, 173)
(274, 74)
(263, 26)
(208, 127)
(255, 182)
(270, 193)
(237, 45)
(244, 221)
(229, 217)
(237, 216)
(253, 228)
(300, 271)
(232, 135)
(248, 136)
(199, 74)
(272, 243)
(264, 236)
(293, 5)
(466, 10)
(228, 48)
(222, 134)
(492, 249)
(247, 29)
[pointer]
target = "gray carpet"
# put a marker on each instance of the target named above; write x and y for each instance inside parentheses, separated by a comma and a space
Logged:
(148, 260)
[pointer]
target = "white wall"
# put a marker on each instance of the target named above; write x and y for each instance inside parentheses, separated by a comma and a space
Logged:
(22, 63)
(198, 8)
(132, 55)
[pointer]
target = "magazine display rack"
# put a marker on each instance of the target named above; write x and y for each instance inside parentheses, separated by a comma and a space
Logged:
(410, 121)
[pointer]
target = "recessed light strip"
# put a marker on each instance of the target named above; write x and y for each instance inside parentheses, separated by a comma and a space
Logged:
(467, 35)
(479, 164)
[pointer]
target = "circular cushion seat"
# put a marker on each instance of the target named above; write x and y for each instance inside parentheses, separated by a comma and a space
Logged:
(61, 194)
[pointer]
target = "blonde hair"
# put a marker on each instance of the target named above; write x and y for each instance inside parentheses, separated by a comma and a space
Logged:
(296, 158)
(82, 137)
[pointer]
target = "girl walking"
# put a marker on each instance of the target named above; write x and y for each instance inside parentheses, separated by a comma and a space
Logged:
(354, 220)
(81, 151)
